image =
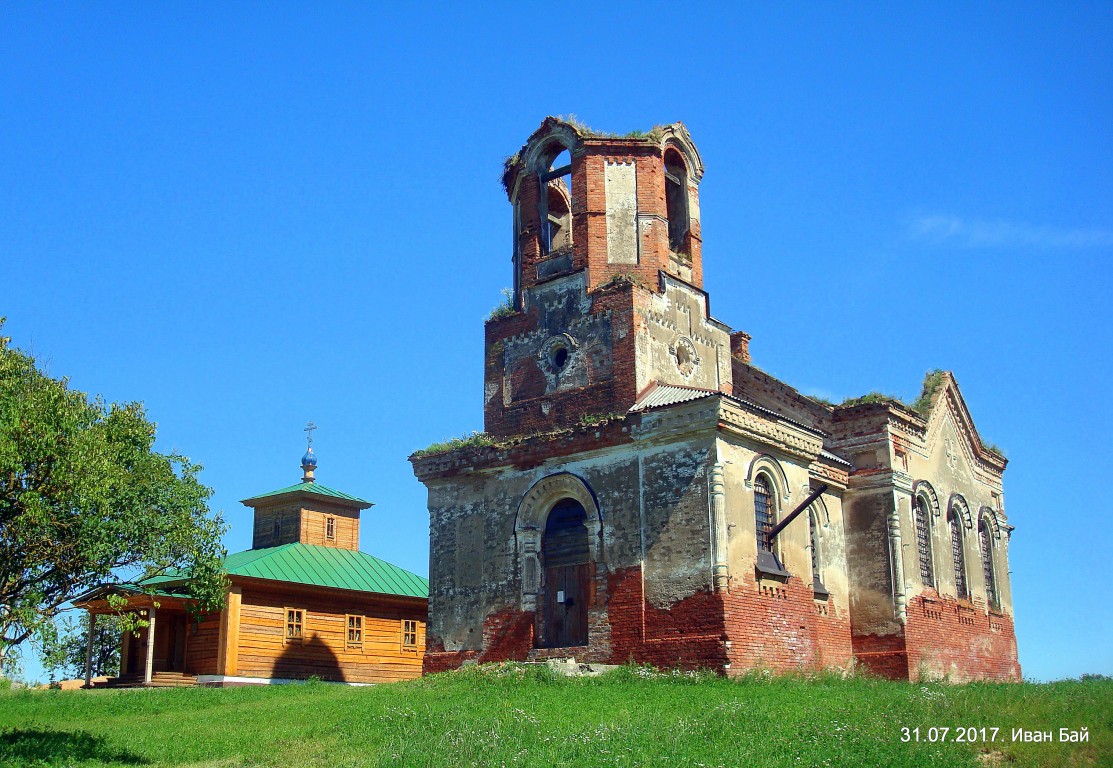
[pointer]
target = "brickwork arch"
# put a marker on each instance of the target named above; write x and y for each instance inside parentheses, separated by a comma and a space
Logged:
(541, 150)
(529, 525)
(958, 503)
(676, 137)
(925, 489)
(990, 515)
(764, 463)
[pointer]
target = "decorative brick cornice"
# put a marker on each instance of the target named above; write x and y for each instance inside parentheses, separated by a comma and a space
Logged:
(829, 473)
(737, 418)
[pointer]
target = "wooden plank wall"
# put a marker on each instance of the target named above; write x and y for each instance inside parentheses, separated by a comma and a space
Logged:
(201, 644)
(289, 517)
(313, 525)
(324, 651)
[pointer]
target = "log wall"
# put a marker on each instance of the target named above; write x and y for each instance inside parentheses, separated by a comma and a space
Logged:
(323, 651)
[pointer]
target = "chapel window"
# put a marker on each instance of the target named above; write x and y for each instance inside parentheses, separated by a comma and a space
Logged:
(957, 554)
(555, 203)
(355, 630)
(409, 633)
(923, 542)
(986, 547)
(330, 528)
(676, 201)
(295, 624)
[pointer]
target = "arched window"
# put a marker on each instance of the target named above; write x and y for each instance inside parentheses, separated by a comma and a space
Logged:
(957, 554)
(676, 201)
(765, 512)
(555, 202)
(986, 547)
(923, 541)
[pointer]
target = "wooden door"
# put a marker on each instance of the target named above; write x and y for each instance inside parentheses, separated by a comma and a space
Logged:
(170, 638)
(567, 584)
(164, 642)
(136, 654)
(567, 593)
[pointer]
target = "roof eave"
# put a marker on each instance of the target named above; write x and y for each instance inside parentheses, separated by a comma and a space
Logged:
(360, 504)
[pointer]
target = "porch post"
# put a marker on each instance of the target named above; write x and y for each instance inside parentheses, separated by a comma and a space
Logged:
(228, 649)
(89, 649)
(150, 648)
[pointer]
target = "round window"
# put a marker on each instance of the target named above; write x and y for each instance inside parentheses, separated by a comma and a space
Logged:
(684, 354)
(556, 353)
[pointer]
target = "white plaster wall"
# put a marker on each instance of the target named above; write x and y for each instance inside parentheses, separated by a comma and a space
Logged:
(620, 184)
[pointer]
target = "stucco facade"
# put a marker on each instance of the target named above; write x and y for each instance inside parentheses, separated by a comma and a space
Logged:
(644, 492)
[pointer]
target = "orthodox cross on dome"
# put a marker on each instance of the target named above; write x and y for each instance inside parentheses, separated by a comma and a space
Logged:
(309, 460)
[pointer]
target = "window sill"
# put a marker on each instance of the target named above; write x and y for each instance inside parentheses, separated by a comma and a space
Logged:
(768, 567)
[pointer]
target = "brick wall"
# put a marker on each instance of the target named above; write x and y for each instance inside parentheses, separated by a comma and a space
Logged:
(782, 627)
(944, 638)
(609, 386)
(959, 640)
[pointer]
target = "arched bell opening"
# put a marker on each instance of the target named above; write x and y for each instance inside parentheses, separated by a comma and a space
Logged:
(555, 210)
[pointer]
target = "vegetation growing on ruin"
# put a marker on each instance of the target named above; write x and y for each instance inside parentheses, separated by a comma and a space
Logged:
(932, 381)
(507, 165)
(504, 308)
(619, 279)
(594, 420)
(518, 715)
(473, 440)
(870, 397)
(653, 134)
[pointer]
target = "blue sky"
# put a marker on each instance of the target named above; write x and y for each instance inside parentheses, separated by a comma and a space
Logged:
(251, 216)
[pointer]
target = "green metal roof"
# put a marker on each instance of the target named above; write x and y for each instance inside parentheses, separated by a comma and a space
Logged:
(314, 488)
(326, 567)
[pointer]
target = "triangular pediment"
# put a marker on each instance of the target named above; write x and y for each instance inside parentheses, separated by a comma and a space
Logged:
(950, 427)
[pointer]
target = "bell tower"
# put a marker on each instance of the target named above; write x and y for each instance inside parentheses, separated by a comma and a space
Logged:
(306, 513)
(608, 279)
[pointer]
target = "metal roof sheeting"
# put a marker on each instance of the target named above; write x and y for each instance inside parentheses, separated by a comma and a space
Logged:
(669, 394)
(663, 395)
(327, 567)
(314, 488)
(834, 458)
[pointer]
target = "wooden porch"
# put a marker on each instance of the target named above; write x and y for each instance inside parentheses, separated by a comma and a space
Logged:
(158, 680)
(154, 656)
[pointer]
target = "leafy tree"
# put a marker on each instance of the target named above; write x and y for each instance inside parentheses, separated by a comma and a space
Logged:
(63, 651)
(85, 500)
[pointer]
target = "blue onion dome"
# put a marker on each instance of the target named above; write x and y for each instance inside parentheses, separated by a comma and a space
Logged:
(309, 459)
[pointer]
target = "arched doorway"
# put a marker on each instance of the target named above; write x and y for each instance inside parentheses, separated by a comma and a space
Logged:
(566, 590)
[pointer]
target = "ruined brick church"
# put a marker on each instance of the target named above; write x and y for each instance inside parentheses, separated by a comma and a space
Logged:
(644, 492)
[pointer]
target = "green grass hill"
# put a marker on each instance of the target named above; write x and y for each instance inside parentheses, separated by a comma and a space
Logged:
(512, 715)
